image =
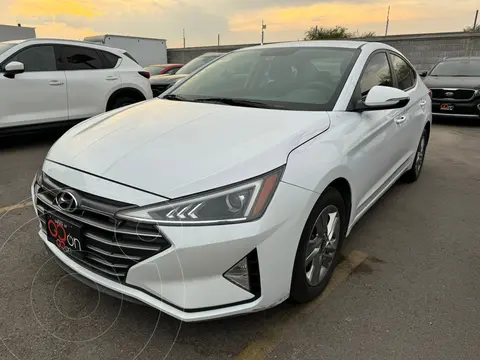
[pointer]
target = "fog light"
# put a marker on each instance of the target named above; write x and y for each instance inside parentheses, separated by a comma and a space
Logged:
(238, 274)
(246, 274)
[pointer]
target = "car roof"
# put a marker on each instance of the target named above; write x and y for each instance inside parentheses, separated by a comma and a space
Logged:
(67, 42)
(349, 44)
(14, 42)
(460, 58)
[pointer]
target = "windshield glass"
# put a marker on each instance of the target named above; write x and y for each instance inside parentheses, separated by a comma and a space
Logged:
(155, 70)
(292, 78)
(196, 63)
(5, 46)
(468, 67)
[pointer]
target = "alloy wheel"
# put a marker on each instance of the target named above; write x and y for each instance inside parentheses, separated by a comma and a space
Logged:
(322, 246)
(420, 154)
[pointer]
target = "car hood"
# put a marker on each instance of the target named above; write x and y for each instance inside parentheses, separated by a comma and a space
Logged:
(166, 79)
(174, 148)
(452, 82)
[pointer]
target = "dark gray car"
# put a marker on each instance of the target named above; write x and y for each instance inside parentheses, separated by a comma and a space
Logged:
(455, 87)
(160, 83)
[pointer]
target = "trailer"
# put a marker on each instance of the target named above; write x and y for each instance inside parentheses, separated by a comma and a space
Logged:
(146, 51)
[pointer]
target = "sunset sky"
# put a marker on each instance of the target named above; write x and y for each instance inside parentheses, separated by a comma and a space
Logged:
(237, 21)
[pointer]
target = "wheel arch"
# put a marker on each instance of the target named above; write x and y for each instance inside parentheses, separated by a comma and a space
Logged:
(428, 127)
(342, 185)
(124, 92)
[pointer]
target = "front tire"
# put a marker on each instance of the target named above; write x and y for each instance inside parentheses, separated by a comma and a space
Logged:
(413, 173)
(319, 248)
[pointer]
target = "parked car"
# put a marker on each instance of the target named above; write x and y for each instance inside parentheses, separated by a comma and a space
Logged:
(163, 69)
(160, 83)
(239, 187)
(455, 86)
(46, 81)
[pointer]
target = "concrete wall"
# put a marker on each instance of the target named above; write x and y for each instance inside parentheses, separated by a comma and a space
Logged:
(8, 32)
(423, 50)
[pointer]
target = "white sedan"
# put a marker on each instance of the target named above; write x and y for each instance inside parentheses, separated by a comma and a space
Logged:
(235, 190)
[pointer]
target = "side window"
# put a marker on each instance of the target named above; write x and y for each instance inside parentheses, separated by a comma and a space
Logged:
(111, 60)
(377, 72)
(172, 71)
(79, 58)
(403, 72)
(37, 58)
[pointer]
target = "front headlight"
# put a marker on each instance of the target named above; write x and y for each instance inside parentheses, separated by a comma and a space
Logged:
(246, 201)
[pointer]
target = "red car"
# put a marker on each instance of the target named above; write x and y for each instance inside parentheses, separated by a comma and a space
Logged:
(163, 69)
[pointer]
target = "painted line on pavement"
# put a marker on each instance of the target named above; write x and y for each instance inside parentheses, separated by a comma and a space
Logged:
(260, 348)
(14, 207)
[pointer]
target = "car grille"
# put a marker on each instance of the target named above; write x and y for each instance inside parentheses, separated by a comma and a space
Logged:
(111, 245)
(456, 94)
(157, 90)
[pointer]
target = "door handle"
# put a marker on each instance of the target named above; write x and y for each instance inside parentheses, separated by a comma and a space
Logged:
(423, 102)
(55, 83)
(110, 78)
(400, 120)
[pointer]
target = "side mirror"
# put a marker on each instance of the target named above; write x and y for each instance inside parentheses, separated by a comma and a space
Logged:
(423, 73)
(13, 68)
(383, 98)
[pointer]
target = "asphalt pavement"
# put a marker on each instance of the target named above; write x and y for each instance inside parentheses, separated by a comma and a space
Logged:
(408, 288)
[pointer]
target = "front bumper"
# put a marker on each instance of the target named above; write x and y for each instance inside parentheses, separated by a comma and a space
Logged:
(467, 110)
(186, 280)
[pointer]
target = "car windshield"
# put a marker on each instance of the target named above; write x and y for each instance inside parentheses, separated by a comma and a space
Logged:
(196, 63)
(155, 70)
(5, 46)
(469, 67)
(290, 78)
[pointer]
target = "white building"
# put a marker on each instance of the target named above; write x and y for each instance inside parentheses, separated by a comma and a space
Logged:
(8, 32)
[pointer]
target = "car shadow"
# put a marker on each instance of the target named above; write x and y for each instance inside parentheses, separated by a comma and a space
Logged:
(38, 137)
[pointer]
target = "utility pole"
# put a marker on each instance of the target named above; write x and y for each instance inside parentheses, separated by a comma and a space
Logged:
(218, 40)
(263, 31)
(184, 38)
(388, 21)
(475, 21)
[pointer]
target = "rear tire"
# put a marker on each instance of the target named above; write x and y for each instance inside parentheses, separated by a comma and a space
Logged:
(323, 236)
(122, 101)
(413, 173)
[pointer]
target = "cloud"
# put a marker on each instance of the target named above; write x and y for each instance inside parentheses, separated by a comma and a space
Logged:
(237, 21)
(84, 8)
(326, 14)
(63, 31)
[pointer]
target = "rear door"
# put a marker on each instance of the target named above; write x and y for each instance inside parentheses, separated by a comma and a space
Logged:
(91, 79)
(39, 95)
(410, 119)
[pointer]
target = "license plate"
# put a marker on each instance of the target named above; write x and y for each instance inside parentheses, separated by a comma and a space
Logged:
(446, 107)
(66, 235)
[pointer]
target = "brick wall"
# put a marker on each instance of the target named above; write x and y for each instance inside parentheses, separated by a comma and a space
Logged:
(423, 50)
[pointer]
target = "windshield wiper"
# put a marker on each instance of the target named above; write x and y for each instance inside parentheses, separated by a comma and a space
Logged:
(239, 102)
(175, 97)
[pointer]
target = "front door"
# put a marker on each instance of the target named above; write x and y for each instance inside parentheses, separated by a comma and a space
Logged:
(39, 95)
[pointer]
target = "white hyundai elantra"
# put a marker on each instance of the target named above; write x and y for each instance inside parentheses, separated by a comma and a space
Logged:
(235, 190)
